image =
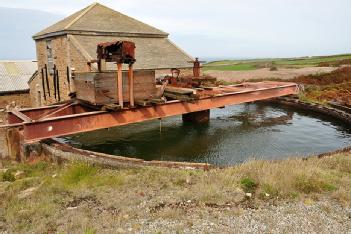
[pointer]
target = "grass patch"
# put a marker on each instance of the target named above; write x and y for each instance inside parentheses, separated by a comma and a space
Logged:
(248, 185)
(78, 172)
(101, 196)
(233, 67)
(251, 64)
(8, 176)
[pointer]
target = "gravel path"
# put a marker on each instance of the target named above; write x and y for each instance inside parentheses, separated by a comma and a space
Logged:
(319, 217)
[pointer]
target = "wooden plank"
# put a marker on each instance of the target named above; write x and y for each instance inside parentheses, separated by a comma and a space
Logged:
(178, 90)
(180, 97)
(143, 103)
(111, 107)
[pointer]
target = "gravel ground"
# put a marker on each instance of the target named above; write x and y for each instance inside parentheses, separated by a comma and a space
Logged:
(288, 217)
(320, 217)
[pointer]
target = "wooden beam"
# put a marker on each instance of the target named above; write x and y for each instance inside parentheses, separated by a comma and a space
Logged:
(179, 90)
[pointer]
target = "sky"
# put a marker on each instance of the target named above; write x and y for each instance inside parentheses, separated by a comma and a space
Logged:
(205, 29)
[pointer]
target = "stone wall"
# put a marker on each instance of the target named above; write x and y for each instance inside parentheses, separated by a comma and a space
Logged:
(4, 152)
(20, 99)
(60, 59)
(65, 54)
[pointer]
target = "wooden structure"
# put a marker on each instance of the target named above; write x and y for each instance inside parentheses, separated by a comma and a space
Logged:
(120, 52)
(99, 88)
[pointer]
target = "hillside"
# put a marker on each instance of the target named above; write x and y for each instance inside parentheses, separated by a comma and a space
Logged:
(276, 63)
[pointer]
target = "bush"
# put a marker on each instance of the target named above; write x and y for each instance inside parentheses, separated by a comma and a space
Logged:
(248, 185)
(78, 172)
(313, 184)
(273, 68)
(8, 176)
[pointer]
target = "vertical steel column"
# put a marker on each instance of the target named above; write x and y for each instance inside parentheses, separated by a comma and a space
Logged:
(119, 87)
(131, 85)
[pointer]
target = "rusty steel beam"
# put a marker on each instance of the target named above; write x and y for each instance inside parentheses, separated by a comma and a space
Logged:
(89, 121)
(39, 112)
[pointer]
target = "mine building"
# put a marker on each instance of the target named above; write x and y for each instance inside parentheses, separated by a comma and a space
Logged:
(68, 47)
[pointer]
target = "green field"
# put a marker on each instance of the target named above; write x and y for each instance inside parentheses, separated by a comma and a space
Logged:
(252, 64)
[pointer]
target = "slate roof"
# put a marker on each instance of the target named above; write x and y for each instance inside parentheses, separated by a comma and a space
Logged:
(14, 75)
(150, 53)
(99, 18)
(97, 23)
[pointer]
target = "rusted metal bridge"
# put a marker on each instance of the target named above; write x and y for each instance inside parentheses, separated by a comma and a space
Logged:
(75, 117)
(182, 96)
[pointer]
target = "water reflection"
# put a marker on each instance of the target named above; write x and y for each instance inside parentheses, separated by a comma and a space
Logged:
(233, 135)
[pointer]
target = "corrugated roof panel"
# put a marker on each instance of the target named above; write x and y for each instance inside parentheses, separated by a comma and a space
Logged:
(14, 75)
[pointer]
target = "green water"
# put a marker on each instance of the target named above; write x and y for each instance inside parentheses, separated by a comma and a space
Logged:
(233, 135)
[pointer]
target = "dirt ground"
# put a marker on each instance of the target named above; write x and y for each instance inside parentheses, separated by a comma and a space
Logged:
(265, 73)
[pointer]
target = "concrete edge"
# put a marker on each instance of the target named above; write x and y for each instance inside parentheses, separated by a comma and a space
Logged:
(58, 151)
(62, 152)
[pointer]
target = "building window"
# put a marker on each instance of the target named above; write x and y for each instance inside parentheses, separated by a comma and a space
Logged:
(50, 57)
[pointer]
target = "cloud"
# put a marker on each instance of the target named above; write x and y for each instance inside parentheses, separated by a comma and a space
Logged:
(235, 28)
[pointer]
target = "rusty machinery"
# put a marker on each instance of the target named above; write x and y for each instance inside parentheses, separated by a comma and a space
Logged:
(196, 67)
(120, 52)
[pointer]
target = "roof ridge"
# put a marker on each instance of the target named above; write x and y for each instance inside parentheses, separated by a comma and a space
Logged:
(132, 18)
(79, 21)
(81, 15)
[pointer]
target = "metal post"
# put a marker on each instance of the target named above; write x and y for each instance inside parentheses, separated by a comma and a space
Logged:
(119, 88)
(131, 85)
(196, 68)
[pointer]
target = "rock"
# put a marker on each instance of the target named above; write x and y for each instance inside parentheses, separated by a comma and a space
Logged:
(308, 202)
(248, 194)
(27, 192)
(120, 230)
(238, 196)
(20, 175)
(3, 170)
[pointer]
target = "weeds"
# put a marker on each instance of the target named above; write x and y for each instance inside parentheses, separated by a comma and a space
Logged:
(8, 176)
(78, 172)
(131, 191)
(248, 185)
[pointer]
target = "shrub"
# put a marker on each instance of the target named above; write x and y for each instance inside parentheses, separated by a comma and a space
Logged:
(78, 172)
(8, 176)
(248, 185)
(313, 184)
(273, 68)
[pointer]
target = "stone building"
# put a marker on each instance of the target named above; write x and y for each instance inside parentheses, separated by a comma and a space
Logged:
(14, 77)
(71, 43)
